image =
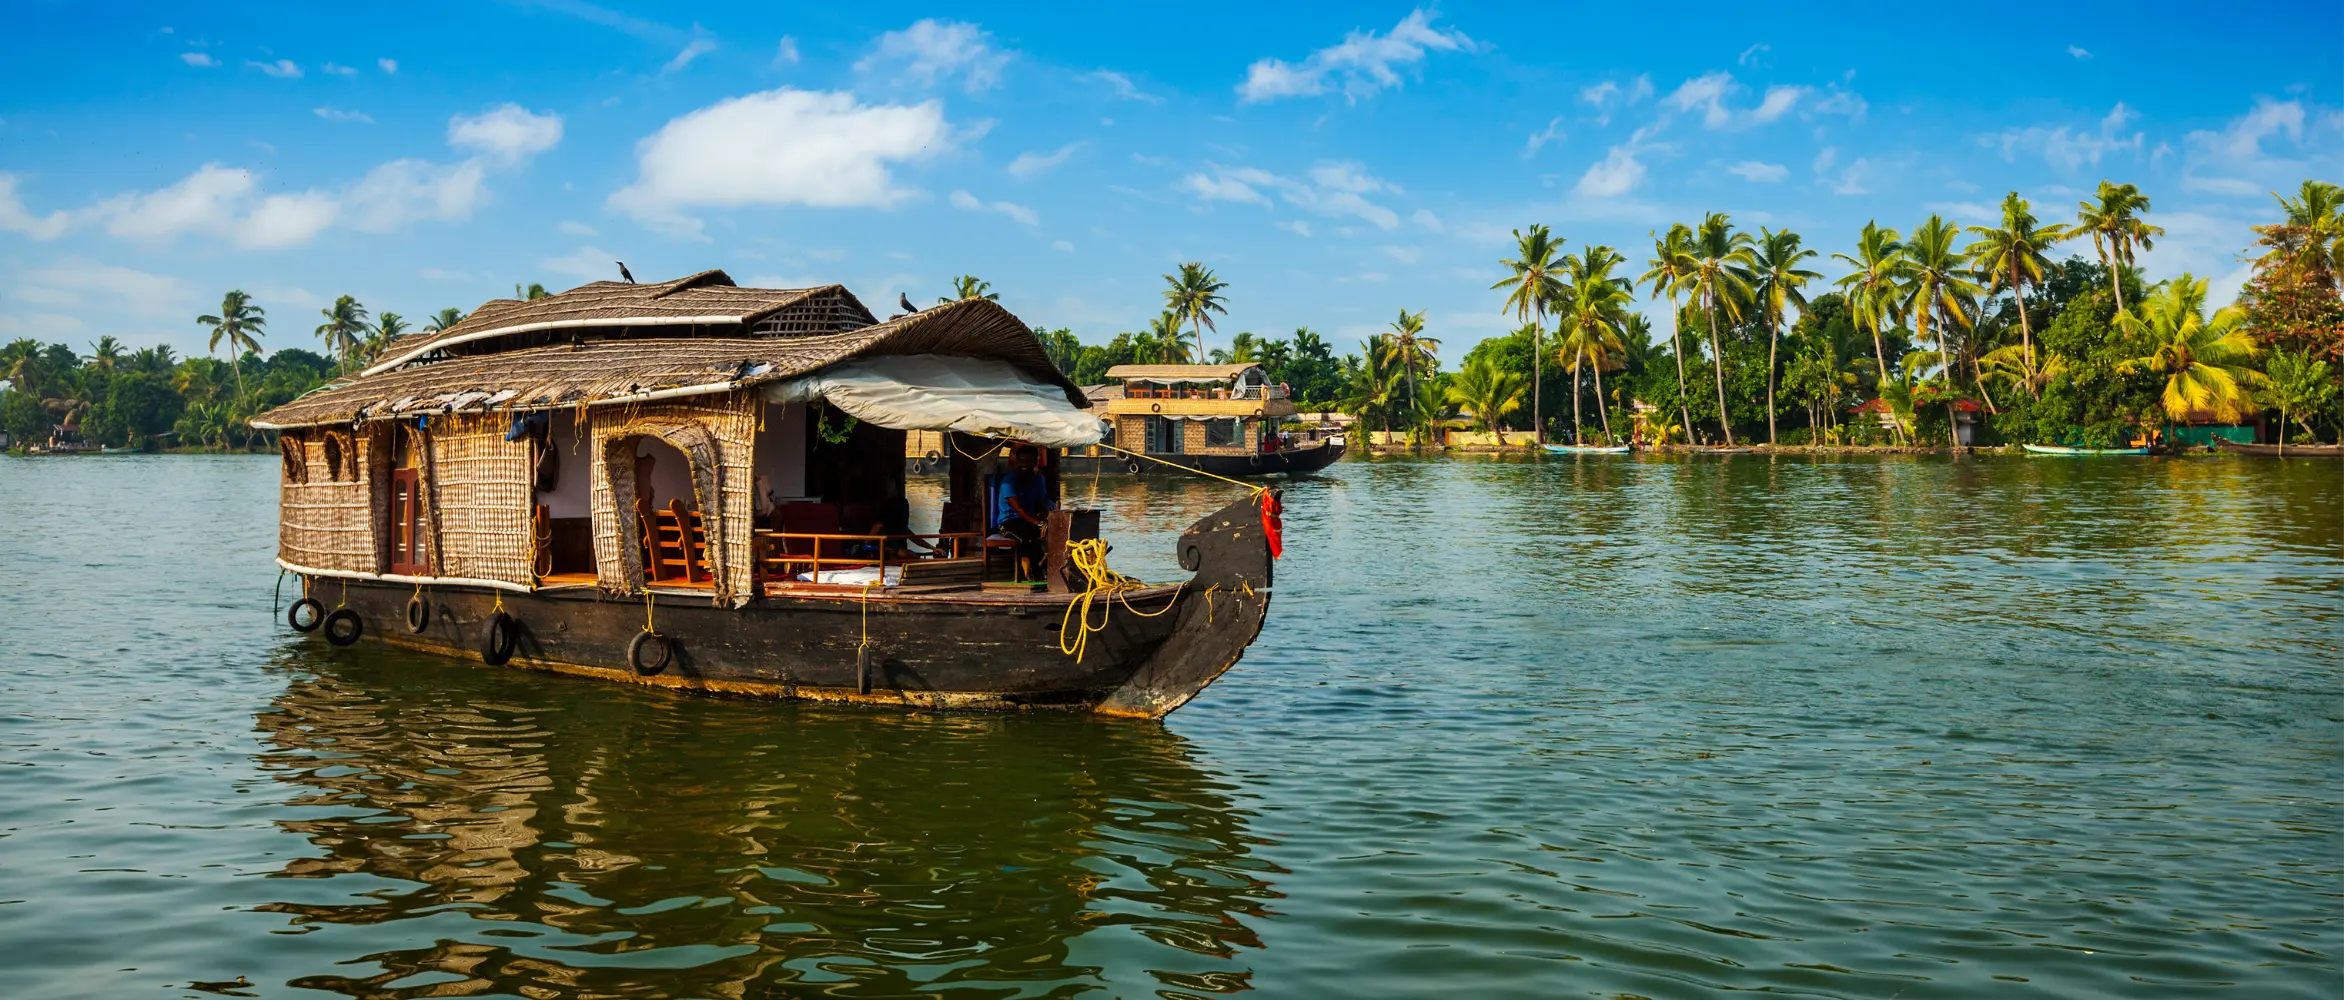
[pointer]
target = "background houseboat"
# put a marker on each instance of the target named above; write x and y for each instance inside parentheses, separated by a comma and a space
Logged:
(1221, 419)
(701, 486)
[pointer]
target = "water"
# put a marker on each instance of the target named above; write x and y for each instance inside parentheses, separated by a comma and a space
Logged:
(1906, 728)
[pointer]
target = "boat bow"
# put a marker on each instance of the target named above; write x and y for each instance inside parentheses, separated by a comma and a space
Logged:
(1221, 611)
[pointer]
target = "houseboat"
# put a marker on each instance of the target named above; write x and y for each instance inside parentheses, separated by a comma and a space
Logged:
(699, 486)
(1222, 419)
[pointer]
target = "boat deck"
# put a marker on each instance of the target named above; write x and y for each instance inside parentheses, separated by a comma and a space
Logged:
(956, 593)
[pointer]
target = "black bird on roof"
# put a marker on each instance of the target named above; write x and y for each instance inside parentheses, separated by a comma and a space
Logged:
(906, 302)
(624, 273)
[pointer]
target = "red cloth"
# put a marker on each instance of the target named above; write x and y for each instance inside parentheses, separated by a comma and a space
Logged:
(1273, 523)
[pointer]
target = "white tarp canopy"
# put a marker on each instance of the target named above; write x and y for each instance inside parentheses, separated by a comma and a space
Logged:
(940, 392)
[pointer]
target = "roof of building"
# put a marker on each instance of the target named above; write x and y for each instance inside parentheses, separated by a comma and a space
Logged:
(708, 298)
(1180, 373)
(635, 368)
(1100, 395)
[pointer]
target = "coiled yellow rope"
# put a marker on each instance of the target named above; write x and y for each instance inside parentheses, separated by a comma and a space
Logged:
(1089, 557)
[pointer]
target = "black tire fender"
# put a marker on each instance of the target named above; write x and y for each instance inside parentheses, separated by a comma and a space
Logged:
(635, 656)
(317, 615)
(418, 613)
(336, 621)
(497, 639)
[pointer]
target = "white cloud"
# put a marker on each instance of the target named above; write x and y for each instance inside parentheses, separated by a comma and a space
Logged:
(1029, 164)
(786, 53)
(1404, 254)
(340, 115)
(1296, 226)
(1763, 173)
(2079, 52)
(1843, 102)
(1610, 95)
(1552, 133)
(1062, 246)
(2067, 148)
(1707, 93)
(1854, 180)
(508, 133)
(390, 67)
(198, 59)
(283, 69)
(15, 219)
(77, 282)
(1425, 218)
(404, 191)
(1334, 188)
(591, 264)
(932, 50)
(1359, 66)
(2243, 138)
(1616, 174)
(693, 49)
(1221, 186)
(2233, 161)
(969, 203)
(339, 70)
(781, 147)
(576, 229)
(1119, 86)
(1825, 157)
(1749, 56)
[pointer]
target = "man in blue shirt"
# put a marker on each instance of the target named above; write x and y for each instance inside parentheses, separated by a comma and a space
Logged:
(1021, 505)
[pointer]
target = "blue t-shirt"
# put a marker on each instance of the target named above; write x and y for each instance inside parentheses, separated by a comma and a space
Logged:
(1030, 489)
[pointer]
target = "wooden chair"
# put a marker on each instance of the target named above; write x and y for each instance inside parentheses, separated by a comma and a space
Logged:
(678, 545)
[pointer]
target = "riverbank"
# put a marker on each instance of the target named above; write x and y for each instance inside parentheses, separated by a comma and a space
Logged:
(1757, 449)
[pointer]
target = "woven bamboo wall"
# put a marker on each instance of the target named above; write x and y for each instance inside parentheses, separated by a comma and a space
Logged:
(481, 488)
(717, 435)
(325, 520)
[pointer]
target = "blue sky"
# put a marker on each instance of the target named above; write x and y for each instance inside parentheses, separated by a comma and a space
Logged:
(1336, 164)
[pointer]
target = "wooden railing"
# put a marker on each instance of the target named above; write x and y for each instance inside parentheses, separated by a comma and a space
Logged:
(781, 556)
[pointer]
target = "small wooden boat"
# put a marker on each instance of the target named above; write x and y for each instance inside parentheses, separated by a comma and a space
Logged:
(1588, 449)
(1721, 450)
(2072, 452)
(697, 486)
(2290, 451)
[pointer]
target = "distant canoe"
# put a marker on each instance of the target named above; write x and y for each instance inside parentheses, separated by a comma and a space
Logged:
(1588, 449)
(2293, 450)
(1719, 451)
(2060, 449)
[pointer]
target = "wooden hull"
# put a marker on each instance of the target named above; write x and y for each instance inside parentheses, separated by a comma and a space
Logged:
(956, 649)
(1589, 449)
(2063, 450)
(2292, 451)
(1292, 462)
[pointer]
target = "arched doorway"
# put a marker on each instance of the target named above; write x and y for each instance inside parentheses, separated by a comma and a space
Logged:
(663, 497)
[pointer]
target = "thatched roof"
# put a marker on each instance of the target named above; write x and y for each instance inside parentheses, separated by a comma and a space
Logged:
(706, 299)
(637, 368)
(1181, 373)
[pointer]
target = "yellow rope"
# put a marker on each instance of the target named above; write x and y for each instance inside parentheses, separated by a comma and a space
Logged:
(345, 602)
(1256, 488)
(647, 610)
(865, 600)
(1089, 556)
(989, 452)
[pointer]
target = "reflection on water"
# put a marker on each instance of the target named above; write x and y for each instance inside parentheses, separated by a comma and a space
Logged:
(590, 836)
(1589, 727)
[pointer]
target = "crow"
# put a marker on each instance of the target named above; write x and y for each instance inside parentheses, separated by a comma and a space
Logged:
(906, 302)
(624, 273)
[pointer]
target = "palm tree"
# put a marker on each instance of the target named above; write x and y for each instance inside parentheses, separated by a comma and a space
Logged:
(1776, 280)
(444, 319)
(1718, 272)
(2204, 360)
(531, 294)
(969, 286)
(1193, 298)
(1937, 286)
(1593, 304)
(1372, 387)
(387, 327)
(239, 323)
(1406, 346)
(1666, 276)
(1871, 287)
(345, 320)
(2318, 211)
(106, 354)
(1535, 285)
(2300, 384)
(1171, 346)
(2115, 225)
(2013, 257)
(1488, 392)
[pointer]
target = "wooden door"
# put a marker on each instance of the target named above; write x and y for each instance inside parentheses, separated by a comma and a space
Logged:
(406, 522)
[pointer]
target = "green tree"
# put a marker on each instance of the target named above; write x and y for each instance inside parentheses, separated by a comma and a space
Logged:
(1488, 392)
(1588, 334)
(1776, 279)
(1937, 291)
(138, 405)
(1373, 388)
(106, 354)
(1193, 296)
(1716, 270)
(345, 320)
(2114, 223)
(1407, 348)
(1666, 276)
(532, 293)
(1871, 287)
(2299, 385)
(1532, 290)
(2014, 257)
(2202, 360)
(444, 319)
(240, 324)
(969, 286)
(388, 327)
